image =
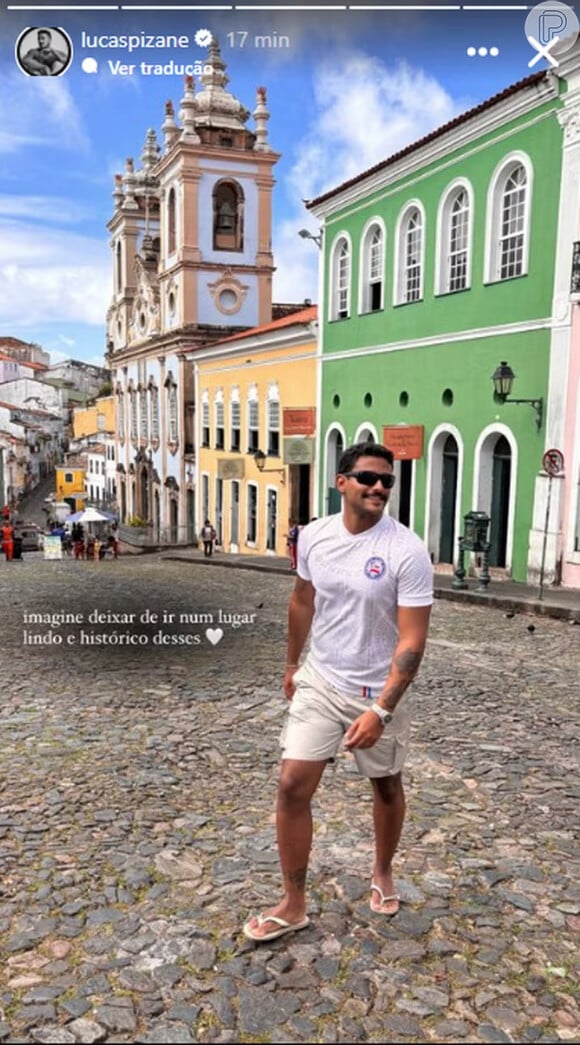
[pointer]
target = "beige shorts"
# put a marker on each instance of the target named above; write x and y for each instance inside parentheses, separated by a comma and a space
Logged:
(318, 717)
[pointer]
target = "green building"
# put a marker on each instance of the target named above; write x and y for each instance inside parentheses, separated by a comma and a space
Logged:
(438, 265)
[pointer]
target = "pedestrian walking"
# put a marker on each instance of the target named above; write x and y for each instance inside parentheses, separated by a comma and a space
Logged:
(208, 536)
(365, 587)
(292, 543)
(78, 540)
(8, 540)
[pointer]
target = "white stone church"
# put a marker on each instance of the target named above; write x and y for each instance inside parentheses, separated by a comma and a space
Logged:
(192, 258)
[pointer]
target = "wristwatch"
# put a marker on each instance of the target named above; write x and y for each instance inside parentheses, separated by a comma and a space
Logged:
(384, 715)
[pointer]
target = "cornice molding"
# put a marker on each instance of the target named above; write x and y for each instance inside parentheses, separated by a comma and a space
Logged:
(457, 138)
(443, 339)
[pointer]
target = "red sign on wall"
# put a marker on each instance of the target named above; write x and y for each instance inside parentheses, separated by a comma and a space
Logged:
(299, 421)
(406, 441)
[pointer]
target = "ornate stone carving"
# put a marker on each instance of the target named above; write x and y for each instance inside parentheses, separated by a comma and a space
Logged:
(569, 119)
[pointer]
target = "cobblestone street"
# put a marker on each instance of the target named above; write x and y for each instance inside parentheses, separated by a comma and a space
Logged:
(137, 824)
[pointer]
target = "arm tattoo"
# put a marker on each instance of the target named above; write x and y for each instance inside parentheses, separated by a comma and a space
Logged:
(407, 662)
(296, 878)
(406, 665)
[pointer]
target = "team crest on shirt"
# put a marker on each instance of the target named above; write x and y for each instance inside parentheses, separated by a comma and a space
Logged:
(375, 567)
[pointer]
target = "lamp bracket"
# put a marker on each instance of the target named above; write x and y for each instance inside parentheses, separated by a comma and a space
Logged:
(536, 404)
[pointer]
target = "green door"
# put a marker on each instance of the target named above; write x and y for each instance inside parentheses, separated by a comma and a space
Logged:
(448, 498)
(500, 499)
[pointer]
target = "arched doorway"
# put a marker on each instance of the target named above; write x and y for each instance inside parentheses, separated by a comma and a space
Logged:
(144, 505)
(271, 520)
(448, 500)
(334, 451)
(173, 520)
(157, 516)
(500, 498)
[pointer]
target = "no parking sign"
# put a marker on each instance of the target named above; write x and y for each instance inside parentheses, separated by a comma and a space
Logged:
(553, 462)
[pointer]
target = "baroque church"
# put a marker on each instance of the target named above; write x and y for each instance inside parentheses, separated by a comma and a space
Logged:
(192, 264)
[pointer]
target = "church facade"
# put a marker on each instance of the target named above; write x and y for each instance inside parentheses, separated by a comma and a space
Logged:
(192, 264)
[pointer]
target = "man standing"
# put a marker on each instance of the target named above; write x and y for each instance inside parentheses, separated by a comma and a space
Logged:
(208, 536)
(365, 585)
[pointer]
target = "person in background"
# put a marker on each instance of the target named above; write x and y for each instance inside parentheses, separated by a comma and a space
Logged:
(292, 543)
(8, 540)
(208, 536)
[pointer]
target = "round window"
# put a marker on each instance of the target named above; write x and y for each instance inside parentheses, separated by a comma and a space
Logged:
(228, 301)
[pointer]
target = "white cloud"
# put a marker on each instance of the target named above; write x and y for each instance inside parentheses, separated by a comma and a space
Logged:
(363, 112)
(51, 275)
(39, 111)
(44, 208)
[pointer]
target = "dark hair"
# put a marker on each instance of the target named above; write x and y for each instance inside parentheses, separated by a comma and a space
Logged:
(46, 32)
(352, 454)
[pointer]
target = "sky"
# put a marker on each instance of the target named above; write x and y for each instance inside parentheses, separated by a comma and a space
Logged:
(351, 88)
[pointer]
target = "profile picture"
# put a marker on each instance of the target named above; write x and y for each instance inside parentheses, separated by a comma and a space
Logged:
(41, 51)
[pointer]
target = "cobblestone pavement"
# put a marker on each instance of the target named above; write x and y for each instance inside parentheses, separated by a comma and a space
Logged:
(137, 828)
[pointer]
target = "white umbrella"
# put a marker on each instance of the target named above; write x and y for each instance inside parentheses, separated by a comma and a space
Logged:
(92, 515)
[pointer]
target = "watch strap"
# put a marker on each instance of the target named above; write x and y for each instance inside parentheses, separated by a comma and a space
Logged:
(384, 715)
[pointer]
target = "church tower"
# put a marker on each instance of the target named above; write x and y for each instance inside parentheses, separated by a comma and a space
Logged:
(192, 264)
(191, 232)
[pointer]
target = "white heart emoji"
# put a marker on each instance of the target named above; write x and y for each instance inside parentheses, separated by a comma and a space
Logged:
(214, 635)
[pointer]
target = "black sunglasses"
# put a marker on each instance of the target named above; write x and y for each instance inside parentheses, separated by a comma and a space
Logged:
(387, 479)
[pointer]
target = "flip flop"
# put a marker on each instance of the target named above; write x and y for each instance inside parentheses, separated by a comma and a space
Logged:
(283, 927)
(384, 899)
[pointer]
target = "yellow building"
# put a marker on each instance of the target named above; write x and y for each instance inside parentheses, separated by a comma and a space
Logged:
(70, 483)
(92, 420)
(255, 433)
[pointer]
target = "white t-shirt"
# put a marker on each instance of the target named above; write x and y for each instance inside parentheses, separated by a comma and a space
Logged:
(359, 580)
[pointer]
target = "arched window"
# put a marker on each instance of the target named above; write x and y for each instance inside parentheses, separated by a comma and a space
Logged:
(154, 394)
(120, 415)
(409, 259)
(220, 433)
(453, 270)
(511, 239)
(253, 420)
(228, 216)
(235, 413)
(172, 411)
(372, 269)
(143, 416)
(273, 422)
(340, 280)
(412, 247)
(171, 222)
(508, 221)
(205, 422)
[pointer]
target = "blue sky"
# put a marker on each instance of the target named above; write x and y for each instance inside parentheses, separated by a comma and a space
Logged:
(352, 88)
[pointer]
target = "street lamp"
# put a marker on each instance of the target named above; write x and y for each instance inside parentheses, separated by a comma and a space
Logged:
(503, 379)
(260, 459)
(306, 234)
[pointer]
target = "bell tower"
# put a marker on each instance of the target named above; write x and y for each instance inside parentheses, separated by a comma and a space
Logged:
(215, 185)
(191, 232)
